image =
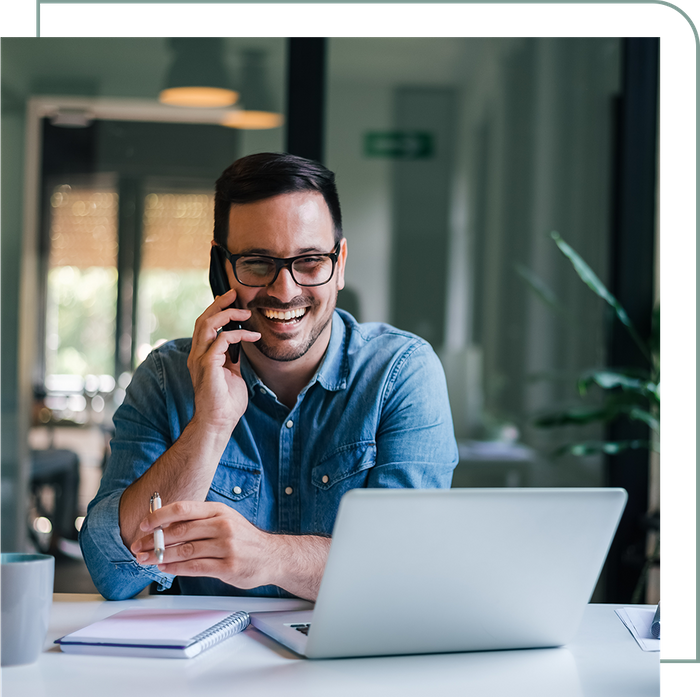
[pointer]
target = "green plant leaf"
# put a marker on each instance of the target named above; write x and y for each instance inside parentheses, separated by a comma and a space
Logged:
(642, 415)
(610, 379)
(573, 417)
(542, 290)
(631, 405)
(596, 285)
(606, 447)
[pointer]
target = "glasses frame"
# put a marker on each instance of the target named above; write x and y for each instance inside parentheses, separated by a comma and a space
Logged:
(282, 263)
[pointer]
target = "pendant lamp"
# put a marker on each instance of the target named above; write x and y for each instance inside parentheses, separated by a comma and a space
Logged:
(197, 76)
(257, 109)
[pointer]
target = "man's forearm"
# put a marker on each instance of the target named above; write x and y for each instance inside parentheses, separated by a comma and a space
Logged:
(301, 561)
(183, 473)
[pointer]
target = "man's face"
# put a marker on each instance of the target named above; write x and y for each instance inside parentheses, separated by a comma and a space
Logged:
(283, 226)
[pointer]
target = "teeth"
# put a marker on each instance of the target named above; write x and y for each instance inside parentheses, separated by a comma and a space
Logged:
(290, 314)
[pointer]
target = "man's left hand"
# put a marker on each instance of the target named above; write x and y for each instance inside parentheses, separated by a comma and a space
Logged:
(210, 539)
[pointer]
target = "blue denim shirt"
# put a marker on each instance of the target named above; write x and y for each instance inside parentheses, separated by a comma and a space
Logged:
(376, 414)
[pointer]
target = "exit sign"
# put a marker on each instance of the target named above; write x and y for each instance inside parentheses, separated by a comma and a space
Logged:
(399, 145)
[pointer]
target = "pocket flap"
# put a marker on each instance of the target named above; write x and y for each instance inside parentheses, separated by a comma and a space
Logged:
(235, 481)
(344, 462)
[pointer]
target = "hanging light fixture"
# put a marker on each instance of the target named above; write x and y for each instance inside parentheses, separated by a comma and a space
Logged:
(257, 108)
(197, 76)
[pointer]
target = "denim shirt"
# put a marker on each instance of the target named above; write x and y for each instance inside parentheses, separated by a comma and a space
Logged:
(375, 414)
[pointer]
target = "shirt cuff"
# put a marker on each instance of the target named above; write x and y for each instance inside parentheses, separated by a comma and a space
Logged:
(101, 534)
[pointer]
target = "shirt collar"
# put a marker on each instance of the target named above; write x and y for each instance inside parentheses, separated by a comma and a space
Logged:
(333, 373)
(249, 375)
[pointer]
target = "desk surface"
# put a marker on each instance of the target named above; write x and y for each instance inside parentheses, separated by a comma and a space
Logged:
(604, 660)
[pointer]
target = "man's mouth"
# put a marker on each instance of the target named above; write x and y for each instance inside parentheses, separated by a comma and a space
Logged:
(284, 315)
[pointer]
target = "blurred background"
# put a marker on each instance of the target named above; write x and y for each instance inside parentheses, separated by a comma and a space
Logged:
(455, 159)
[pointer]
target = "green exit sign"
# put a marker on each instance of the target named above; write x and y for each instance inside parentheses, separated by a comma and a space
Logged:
(399, 145)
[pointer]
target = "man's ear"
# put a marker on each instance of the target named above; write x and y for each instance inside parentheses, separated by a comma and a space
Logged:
(340, 264)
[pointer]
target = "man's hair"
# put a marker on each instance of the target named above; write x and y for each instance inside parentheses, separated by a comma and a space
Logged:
(263, 175)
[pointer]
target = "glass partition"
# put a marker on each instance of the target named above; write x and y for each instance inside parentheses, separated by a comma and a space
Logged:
(456, 158)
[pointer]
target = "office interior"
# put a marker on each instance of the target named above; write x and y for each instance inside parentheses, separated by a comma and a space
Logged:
(456, 158)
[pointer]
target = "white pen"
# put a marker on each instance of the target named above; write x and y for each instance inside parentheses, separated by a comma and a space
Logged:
(158, 540)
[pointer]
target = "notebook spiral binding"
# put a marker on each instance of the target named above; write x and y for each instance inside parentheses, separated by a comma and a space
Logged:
(234, 623)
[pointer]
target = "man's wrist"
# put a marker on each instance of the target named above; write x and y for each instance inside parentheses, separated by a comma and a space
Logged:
(296, 563)
(216, 435)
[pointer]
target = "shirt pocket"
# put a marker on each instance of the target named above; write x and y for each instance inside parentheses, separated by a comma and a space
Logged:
(343, 469)
(238, 486)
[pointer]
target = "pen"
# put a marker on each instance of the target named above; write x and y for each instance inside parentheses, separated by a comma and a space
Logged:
(158, 540)
(657, 627)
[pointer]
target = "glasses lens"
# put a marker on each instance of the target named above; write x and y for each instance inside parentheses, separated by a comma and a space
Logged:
(312, 271)
(255, 271)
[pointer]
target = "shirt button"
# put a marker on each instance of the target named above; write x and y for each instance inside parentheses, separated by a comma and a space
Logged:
(236, 489)
(288, 490)
(324, 479)
(263, 391)
(289, 423)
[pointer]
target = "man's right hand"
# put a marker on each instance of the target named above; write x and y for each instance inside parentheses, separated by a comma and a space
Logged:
(220, 393)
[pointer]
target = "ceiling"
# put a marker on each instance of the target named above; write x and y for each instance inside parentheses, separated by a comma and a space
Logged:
(135, 67)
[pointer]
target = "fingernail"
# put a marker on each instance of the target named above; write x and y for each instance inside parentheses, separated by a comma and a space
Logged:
(145, 526)
(136, 547)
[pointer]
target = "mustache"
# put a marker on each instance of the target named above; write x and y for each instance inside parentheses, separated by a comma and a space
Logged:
(270, 304)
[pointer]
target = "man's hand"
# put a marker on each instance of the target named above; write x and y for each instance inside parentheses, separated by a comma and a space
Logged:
(211, 539)
(185, 471)
(220, 393)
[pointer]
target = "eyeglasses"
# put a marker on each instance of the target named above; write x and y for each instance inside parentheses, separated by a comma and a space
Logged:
(257, 271)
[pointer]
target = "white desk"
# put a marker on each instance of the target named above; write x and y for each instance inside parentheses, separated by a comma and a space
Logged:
(603, 661)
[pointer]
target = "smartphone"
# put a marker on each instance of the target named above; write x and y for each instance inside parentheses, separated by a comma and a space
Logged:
(218, 280)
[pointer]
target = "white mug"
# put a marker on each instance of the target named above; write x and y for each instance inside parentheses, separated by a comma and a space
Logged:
(27, 592)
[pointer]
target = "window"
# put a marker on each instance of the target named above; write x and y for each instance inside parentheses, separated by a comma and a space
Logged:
(173, 285)
(128, 212)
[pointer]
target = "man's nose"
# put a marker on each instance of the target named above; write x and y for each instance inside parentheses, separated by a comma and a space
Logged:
(284, 288)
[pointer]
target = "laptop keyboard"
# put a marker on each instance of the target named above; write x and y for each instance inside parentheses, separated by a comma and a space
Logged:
(303, 628)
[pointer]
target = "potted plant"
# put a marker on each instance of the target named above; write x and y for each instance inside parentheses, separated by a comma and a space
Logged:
(628, 393)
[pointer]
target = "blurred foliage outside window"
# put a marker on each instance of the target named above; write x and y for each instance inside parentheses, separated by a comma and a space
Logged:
(81, 319)
(82, 282)
(173, 287)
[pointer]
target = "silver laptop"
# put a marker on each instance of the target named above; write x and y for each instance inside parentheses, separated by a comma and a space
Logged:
(431, 571)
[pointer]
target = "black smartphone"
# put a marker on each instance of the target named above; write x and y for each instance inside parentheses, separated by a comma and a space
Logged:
(220, 285)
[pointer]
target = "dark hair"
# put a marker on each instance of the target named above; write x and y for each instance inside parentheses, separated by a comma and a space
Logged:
(266, 174)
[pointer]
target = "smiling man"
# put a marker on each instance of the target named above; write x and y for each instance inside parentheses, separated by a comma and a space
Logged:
(252, 457)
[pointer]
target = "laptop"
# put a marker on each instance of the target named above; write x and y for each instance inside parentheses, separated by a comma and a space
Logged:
(431, 571)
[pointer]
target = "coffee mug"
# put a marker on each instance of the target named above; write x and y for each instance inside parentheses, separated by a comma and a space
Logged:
(27, 592)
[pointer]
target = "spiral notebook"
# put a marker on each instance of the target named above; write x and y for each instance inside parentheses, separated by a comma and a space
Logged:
(156, 632)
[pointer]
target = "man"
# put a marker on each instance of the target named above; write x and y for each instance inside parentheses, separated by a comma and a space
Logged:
(251, 458)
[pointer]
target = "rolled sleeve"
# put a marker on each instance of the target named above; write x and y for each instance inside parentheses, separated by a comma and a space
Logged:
(142, 435)
(114, 569)
(416, 445)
